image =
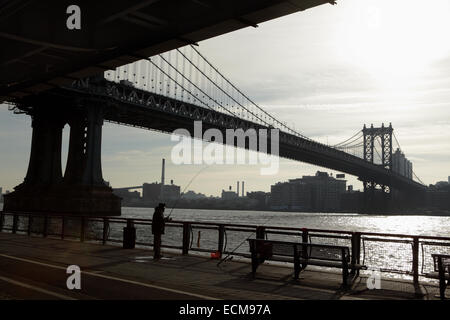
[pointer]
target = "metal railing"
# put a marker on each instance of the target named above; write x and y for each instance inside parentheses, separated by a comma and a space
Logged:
(393, 253)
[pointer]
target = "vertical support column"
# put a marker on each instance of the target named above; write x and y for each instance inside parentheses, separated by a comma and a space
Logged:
(105, 230)
(44, 167)
(368, 137)
(386, 146)
(391, 130)
(297, 268)
(415, 262)
(441, 273)
(83, 229)
(30, 224)
(356, 251)
(76, 158)
(82, 190)
(364, 142)
(383, 146)
(93, 171)
(369, 186)
(186, 237)
(129, 235)
(221, 238)
(15, 223)
(63, 227)
(83, 178)
(45, 231)
(369, 195)
(2, 221)
(305, 240)
(372, 147)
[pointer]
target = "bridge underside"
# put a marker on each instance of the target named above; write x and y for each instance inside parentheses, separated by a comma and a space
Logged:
(39, 52)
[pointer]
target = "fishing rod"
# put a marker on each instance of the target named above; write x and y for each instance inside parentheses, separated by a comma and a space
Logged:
(240, 244)
(192, 179)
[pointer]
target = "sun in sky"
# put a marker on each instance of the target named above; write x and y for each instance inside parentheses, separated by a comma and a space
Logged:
(396, 42)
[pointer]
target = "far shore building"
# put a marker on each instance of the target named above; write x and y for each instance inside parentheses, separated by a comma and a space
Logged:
(128, 197)
(229, 195)
(320, 193)
(191, 195)
(155, 192)
(401, 165)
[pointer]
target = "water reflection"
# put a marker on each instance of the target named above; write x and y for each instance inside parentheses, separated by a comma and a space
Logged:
(415, 225)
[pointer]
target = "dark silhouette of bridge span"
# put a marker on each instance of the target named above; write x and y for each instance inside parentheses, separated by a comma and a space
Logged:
(39, 52)
(163, 93)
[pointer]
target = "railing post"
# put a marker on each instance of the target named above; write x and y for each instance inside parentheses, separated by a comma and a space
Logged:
(305, 235)
(15, 223)
(441, 273)
(129, 235)
(186, 237)
(63, 227)
(305, 240)
(2, 220)
(260, 232)
(415, 263)
(221, 238)
(105, 230)
(30, 225)
(45, 231)
(356, 250)
(83, 227)
(344, 254)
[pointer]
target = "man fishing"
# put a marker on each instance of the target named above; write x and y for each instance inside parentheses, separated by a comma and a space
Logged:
(158, 225)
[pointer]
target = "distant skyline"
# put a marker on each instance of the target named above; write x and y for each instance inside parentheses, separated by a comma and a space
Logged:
(326, 71)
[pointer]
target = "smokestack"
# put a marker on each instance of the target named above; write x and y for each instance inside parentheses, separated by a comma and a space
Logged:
(163, 171)
(243, 188)
(237, 188)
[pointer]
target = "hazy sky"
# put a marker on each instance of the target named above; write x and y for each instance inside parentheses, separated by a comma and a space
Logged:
(326, 71)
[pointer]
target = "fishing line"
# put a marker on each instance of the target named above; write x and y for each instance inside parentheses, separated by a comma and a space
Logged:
(192, 179)
(240, 244)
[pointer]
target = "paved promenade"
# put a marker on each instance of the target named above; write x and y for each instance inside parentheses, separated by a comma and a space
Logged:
(35, 268)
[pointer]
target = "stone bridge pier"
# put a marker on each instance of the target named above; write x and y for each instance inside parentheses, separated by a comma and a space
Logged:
(377, 198)
(81, 190)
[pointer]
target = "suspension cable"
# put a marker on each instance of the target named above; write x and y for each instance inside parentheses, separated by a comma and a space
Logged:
(399, 147)
(211, 81)
(396, 140)
(415, 175)
(162, 71)
(344, 142)
(247, 98)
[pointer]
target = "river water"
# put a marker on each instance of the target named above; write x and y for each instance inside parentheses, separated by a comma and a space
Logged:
(404, 224)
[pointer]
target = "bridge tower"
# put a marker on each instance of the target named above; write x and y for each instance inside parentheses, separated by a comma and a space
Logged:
(373, 200)
(81, 190)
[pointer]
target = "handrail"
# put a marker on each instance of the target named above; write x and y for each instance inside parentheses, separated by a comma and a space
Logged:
(138, 221)
(358, 239)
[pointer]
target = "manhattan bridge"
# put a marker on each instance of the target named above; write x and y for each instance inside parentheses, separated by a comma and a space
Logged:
(163, 93)
(136, 63)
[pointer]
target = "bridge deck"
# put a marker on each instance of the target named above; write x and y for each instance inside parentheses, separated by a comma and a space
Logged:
(139, 108)
(35, 268)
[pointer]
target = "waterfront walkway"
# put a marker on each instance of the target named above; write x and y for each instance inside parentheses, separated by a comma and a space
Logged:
(35, 268)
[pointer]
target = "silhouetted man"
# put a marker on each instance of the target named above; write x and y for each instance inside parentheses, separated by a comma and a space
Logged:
(158, 224)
